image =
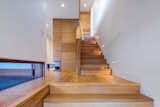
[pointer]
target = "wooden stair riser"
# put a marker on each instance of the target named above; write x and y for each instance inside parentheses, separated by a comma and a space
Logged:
(99, 104)
(92, 57)
(89, 46)
(89, 50)
(90, 54)
(94, 68)
(95, 73)
(93, 42)
(93, 62)
(81, 88)
(86, 100)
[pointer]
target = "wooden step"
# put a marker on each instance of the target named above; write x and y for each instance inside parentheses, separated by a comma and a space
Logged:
(93, 41)
(93, 67)
(92, 49)
(93, 57)
(93, 61)
(95, 72)
(83, 46)
(93, 88)
(88, 38)
(95, 53)
(87, 100)
(89, 45)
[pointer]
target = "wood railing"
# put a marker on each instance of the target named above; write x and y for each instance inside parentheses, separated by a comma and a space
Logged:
(79, 36)
(19, 61)
(78, 59)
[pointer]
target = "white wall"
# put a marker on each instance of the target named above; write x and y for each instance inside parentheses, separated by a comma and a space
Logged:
(130, 32)
(23, 31)
(70, 10)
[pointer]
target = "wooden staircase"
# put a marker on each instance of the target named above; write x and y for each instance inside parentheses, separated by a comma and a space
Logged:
(92, 58)
(95, 87)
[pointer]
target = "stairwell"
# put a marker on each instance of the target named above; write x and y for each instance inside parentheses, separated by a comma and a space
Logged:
(95, 87)
(92, 58)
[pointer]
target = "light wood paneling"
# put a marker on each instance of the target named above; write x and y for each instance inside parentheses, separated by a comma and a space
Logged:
(29, 93)
(64, 47)
(78, 56)
(85, 21)
(57, 40)
(35, 100)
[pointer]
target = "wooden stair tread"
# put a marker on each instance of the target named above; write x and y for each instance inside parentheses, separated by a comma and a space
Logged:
(93, 57)
(93, 67)
(90, 65)
(92, 86)
(54, 98)
(93, 63)
(89, 45)
(94, 70)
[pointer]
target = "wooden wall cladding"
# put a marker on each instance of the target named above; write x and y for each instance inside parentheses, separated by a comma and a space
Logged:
(36, 100)
(64, 40)
(85, 21)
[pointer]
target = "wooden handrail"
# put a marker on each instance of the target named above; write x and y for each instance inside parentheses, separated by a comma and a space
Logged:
(78, 56)
(20, 61)
(78, 49)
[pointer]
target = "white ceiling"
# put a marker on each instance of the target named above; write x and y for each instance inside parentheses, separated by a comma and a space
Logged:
(70, 10)
(88, 7)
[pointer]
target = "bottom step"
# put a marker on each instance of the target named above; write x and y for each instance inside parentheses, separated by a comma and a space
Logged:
(92, 100)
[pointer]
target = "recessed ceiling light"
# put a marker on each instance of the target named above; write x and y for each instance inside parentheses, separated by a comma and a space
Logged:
(85, 4)
(62, 5)
(102, 46)
(44, 5)
(47, 25)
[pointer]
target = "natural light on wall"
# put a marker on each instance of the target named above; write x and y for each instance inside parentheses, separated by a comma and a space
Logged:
(98, 11)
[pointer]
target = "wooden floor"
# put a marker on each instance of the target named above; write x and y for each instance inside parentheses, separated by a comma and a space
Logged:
(17, 95)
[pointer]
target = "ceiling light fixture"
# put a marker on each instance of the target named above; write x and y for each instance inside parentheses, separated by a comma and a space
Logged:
(44, 5)
(62, 5)
(85, 4)
(47, 25)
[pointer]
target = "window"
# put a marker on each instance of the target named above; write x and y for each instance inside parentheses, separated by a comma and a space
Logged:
(12, 73)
